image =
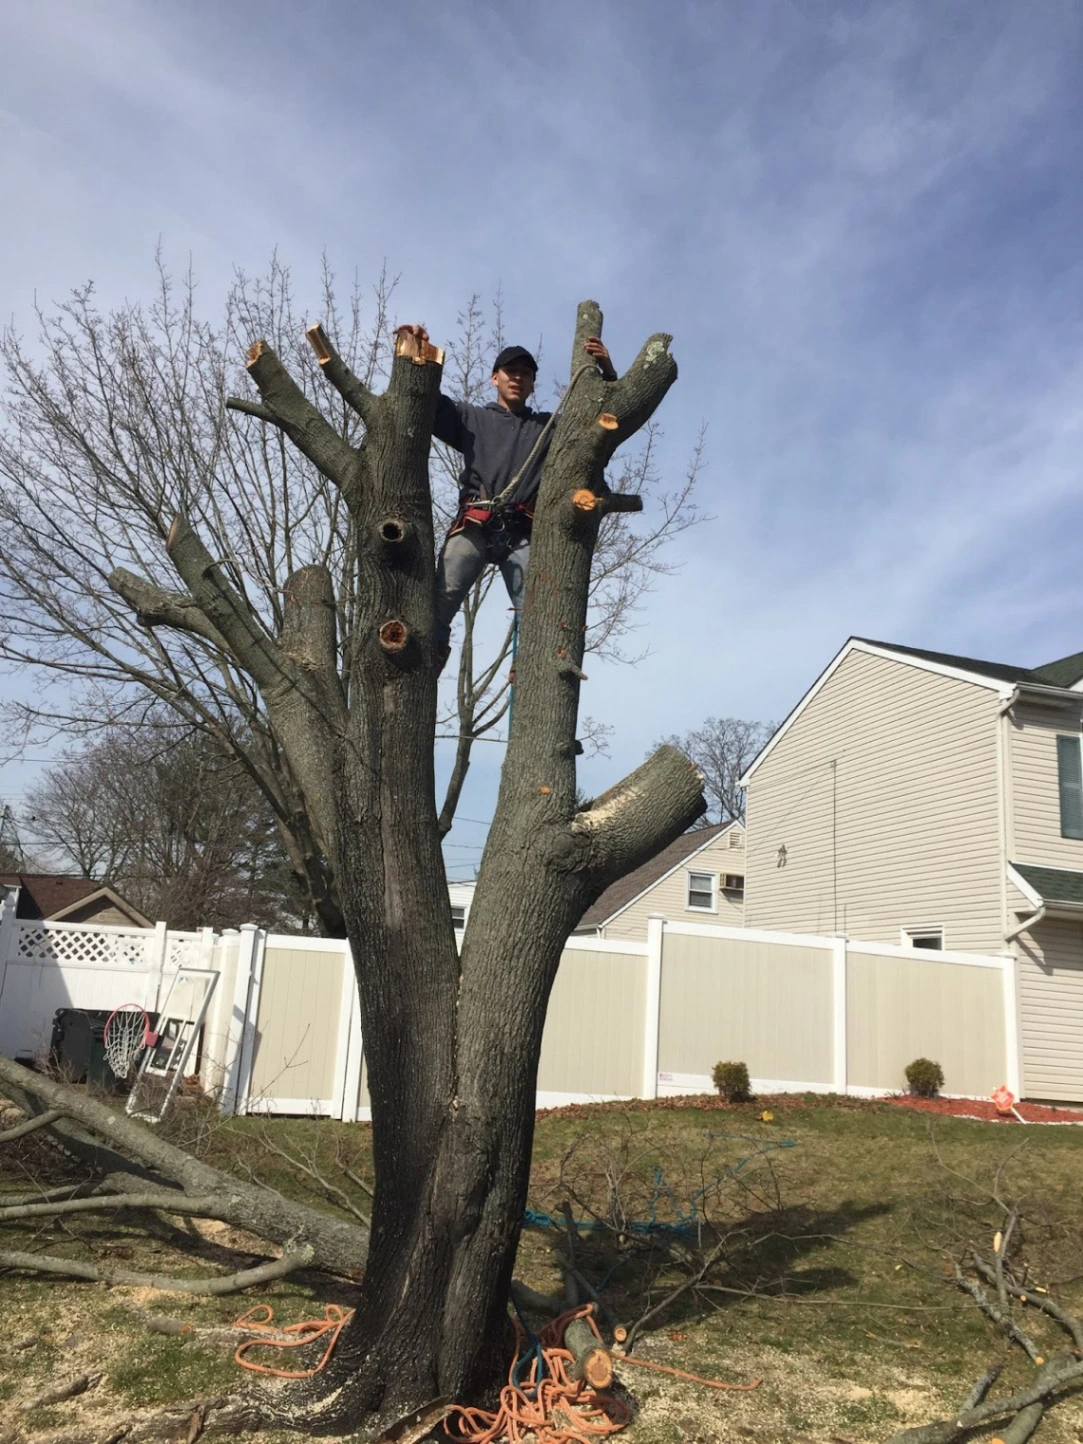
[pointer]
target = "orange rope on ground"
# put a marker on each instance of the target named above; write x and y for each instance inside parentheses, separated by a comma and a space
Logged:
(680, 1374)
(307, 1332)
(563, 1411)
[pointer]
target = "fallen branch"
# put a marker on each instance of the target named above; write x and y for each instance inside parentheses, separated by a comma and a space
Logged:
(71, 1390)
(211, 1287)
(30, 1125)
(674, 1294)
(945, 1431)
(339, 1245)
(162, 1198)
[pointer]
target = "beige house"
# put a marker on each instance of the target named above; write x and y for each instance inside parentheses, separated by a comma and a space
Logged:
(698, 878)
(935, 801)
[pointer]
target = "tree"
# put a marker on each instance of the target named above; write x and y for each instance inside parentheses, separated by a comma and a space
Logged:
(118, 420)
(452, 1042)
(173, 822)
(724, 748)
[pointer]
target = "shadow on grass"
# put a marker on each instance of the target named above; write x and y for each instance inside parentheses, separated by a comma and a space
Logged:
(766, 1254)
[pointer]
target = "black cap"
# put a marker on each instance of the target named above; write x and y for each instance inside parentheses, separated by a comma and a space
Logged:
(514, 353)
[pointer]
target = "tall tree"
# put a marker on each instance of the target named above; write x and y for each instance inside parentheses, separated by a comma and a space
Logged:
(723, 749)
(452, 1042)
(118, 420)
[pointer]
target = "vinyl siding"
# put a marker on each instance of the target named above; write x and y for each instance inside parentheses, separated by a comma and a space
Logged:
(899, 766)
(1035, 794)
(1050, 979)
(670, 896)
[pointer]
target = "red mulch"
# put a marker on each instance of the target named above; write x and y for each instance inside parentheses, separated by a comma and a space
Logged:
(981, 1109)
(986, 1110)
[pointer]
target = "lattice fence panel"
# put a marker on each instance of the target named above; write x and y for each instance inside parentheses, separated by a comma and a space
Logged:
(52, 943)
(182, 951)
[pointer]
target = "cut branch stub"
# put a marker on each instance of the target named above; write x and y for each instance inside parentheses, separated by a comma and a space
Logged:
(419, 352)
(608, 421)
(394, 636)
(317, 339)
(586, 500)
(255, 351)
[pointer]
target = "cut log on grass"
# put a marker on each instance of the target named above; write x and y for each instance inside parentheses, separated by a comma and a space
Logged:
(592, 1361)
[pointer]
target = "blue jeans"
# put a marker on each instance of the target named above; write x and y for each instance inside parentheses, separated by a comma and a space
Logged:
(463, 559)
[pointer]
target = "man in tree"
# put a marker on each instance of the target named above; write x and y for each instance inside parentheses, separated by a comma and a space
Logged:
(504, 446)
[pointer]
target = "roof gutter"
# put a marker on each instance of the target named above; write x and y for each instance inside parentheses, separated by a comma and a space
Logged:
(1026, 924)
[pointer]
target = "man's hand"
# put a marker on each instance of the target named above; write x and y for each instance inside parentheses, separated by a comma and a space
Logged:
(594, 347)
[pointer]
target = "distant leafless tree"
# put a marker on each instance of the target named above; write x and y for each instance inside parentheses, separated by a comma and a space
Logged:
(723, 749)
(117, 421)
(174, 823)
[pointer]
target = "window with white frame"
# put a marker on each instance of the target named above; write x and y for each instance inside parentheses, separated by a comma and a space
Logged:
(925, 937)
(458, 916)
(701, 891)
(1070, 786)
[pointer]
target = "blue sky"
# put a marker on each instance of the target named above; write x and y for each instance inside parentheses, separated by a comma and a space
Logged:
(860, 221)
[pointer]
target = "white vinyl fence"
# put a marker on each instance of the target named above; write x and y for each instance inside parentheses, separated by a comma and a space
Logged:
(626, 1019)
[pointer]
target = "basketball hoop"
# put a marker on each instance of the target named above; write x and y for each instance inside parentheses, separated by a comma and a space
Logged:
(127, 1032)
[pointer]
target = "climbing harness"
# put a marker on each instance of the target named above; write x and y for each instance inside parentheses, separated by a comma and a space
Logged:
(492, 511)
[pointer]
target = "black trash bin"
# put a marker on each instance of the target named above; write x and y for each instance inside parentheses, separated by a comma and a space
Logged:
(77, 1048)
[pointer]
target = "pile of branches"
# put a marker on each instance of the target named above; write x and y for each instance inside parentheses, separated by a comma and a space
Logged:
(998, 1281)
(118, 1167)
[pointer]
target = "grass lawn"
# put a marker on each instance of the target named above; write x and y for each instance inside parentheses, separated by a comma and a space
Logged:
(834, 1220)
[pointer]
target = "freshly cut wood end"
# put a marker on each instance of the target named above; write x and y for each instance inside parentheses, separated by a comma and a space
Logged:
(598, 1369)
(620, 1333)
(420, 352)
(585, 500)
(256, 351)
(317, 339)
(393, 636)
(608, 421)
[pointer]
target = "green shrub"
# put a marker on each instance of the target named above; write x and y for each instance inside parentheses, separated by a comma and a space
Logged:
(925, 1077)
(731, 1080)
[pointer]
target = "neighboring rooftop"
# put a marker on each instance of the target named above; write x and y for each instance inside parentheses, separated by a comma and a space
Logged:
(617, 897)
(1065, 672)
(69, 899)
(1053, 884)
(42, 894)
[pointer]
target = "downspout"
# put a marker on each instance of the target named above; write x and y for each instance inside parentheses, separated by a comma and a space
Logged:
(1005, 819)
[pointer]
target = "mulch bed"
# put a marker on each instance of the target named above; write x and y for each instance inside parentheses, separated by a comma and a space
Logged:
(985, 1110)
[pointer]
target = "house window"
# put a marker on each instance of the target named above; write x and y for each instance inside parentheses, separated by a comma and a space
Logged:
(701, 886)
(1070, 783)
(458, 916)
(734, 884)
(932, 938)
